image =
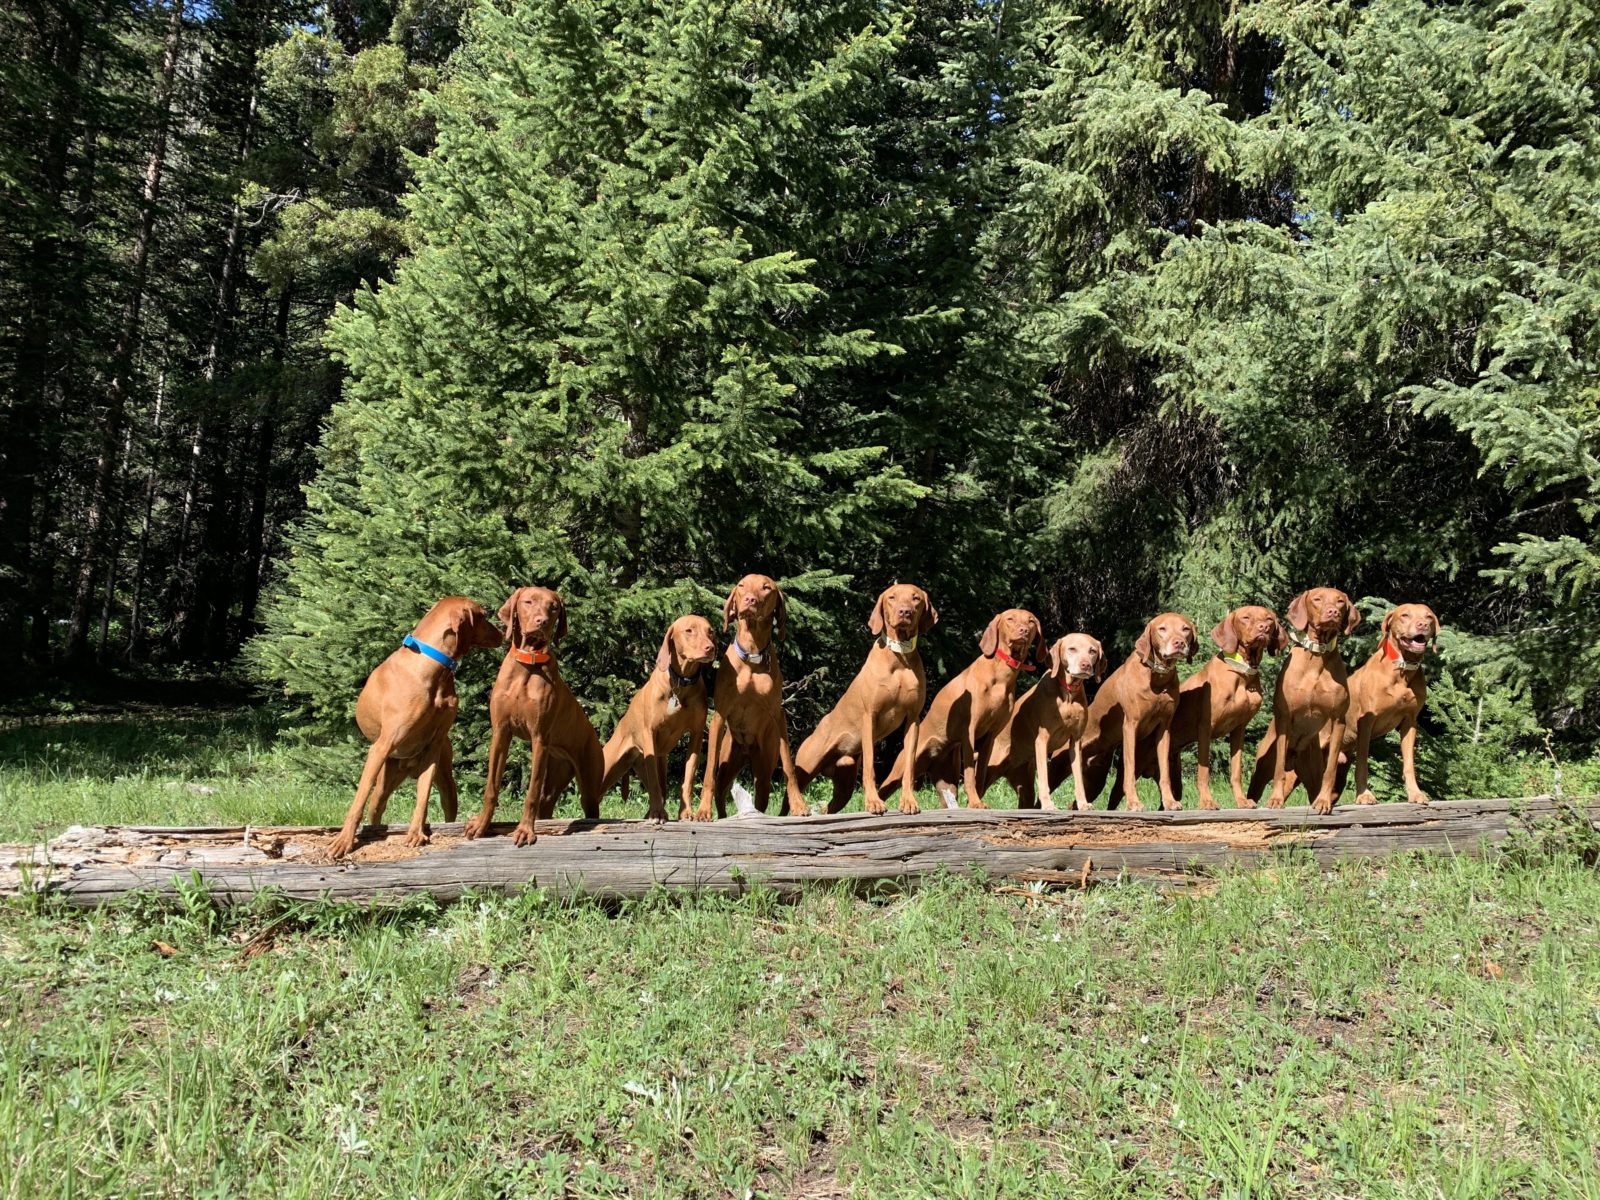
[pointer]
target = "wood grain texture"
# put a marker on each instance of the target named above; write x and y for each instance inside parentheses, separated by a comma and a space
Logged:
(629, 858)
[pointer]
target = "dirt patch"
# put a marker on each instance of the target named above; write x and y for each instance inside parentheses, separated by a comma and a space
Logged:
(1240, 835)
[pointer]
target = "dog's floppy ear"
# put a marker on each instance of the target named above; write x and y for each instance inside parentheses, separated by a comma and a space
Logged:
(1039, 649)
(1145, 646)
(664, 655)
(1194, 640)
(1058, 661)
(780, 627)
(1099, 660)
(1299, 618)
(1352, 620)
(930, 614)
(1433, 641)
(727, 609)
(1387, 625)
(1225, 635)
(1279, 638)
(510, 619)
(989, 640)
(875, 621)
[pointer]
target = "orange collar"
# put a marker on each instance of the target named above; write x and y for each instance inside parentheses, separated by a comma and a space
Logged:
(533, 658)
(1000, 653)
(1391, 653)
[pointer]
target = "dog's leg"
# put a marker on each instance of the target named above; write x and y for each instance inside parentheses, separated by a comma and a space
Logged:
(908, 781)
(377, 755)
(416, 832)
(650, 770)
(499, 747)
(716, 751)
(1363, 744)
(791, 779)
(1236, 769)
(445, 778)
(525, 834)
(696, 741)
(967, 759)
(1280, 763)
(1164, 757)
(844, 784)
(1323, 804)
(1408, 762)
(870, 799)
(1039, 792)
(1130, 766)
(1080, 793)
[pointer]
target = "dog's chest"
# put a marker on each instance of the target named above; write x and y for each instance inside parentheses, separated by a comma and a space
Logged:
(899, 690)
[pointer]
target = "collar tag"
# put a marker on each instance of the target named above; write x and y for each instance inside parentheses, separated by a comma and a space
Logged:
(673, 703)
(433, 652)
(532, 658)
(899, 647)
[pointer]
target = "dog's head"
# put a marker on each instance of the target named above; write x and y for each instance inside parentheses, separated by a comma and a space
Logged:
(905, 611)
(1413, 628)
(1077, 657)
(756, 600)
(1251, 630)
(1018, 630)
(1324, 612)
(689, 642)
(1169, 637)
(534, 616)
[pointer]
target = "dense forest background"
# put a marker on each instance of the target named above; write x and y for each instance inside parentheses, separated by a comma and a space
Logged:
(311, 313)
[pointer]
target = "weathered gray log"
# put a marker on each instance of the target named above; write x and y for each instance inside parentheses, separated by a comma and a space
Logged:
(630, 857)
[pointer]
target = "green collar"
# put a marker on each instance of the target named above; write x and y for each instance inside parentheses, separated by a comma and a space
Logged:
(1238, 662)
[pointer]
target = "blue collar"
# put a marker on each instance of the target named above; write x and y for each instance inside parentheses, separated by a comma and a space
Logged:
(750, 656)
(433, 652)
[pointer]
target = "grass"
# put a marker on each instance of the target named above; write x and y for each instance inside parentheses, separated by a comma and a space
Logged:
(1424, 1028)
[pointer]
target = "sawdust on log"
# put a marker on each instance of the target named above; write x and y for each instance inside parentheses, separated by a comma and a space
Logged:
(1239, 835)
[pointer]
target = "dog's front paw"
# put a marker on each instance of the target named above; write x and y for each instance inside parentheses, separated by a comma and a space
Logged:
(798, 807)
(1275, 801)
(1419, 797)
(908, 804)
(1171, 806)
(417, 838)
(1366, 797)
(1082, 806)
(1208, 804)
(976, 804)
(1243, 801)
(1322, 805)
(1135, 805)
(478, 826)
(702, 811)
(523, 834)
(875, 806)
(342, 846)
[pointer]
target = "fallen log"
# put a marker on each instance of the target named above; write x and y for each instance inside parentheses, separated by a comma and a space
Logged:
(90, 865)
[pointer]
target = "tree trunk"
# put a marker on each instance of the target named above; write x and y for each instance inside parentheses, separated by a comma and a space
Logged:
(136, 604)
(113, 420)
(261, 495)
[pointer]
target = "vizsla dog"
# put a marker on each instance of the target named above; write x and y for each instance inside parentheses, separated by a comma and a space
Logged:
(531, 701)
(1309, 705)
(1047, 720)
(1387, 693)
(749, 725)
(886, 694)
(966, 713)
(1220, 701)
(406, 710)
(672, 703)
(1139, 700)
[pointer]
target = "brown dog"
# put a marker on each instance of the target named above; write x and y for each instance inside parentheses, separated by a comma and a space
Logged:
(531, 701)
(1220, 701)
(1310, 703)
(672, 703)
(749, 725)
(1047, 720)
(1387, 693)
(406, 709)
(966, 713)
(1139, 700)
(886, 694)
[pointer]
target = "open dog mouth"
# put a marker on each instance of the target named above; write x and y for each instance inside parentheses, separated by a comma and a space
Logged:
(1413, 641)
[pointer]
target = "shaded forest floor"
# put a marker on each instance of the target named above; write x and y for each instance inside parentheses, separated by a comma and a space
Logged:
(1425, 1028)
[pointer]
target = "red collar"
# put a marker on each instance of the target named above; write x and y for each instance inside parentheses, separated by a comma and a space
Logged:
(1069, 686)
(532, 658)
(1000, 653)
